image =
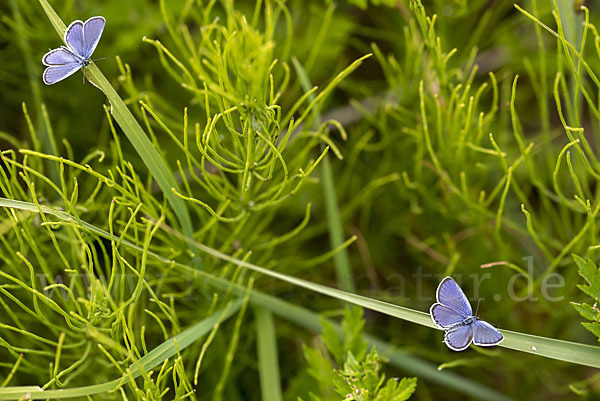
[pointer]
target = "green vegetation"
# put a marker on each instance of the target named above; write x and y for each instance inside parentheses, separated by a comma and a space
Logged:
(194, 224)
(591, 274)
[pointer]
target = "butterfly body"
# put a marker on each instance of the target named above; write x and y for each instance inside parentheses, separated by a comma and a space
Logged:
(452, 312)
(469, 320)
(81, 39)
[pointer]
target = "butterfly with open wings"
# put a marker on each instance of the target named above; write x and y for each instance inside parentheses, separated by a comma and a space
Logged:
(452, 312)
(81, 39)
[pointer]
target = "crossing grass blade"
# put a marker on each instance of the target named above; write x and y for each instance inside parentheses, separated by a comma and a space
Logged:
(581, 354)
(268, 364)
(152, 359)
(343, 269)
(288, 311)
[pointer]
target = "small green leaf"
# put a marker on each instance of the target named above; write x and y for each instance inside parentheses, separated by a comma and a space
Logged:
(397, 390)
(591, 274)
(352, 326)
(587, 311)
(594, 328)
(360, 377)
(318, 365)
(332, 340)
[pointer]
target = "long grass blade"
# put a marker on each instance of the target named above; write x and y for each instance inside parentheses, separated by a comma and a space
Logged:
(152, 359)
(288, 311)
(341, 261)
(581, 354)
(268, 364)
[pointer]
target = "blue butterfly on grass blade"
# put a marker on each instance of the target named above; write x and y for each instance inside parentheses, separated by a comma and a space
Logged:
(81, 39)
(453, 313)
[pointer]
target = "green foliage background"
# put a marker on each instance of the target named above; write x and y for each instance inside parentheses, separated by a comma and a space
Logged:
(465, 145)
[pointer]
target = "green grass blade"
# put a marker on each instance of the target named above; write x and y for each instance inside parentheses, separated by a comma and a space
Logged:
(48, 141)
(268, 364)
(581, 354)
(288, 311)
(157, 167)
(152, 359)
(341, 261)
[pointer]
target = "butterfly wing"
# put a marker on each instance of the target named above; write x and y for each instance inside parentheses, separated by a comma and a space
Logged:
(56, 73)
(74, 37)
(59, 56)
(92, 31)
(485, 334)
(452, 296)
(459, 337)
(445, 317)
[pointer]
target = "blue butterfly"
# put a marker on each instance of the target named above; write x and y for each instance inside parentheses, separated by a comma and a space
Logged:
(81, 39)
(453, 313)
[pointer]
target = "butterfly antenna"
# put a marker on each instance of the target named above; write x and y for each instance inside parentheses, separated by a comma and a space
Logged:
(101, 58)
(477, 309)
